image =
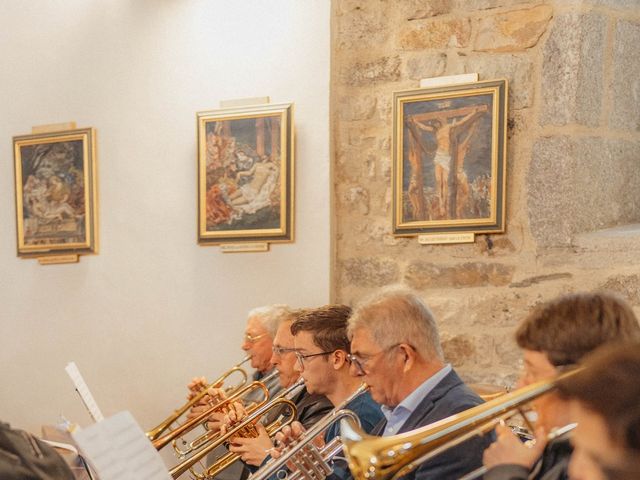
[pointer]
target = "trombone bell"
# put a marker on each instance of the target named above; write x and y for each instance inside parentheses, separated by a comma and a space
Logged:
(384, 458)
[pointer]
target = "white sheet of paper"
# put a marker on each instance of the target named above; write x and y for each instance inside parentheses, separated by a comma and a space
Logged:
(83, 390)
(118, 449)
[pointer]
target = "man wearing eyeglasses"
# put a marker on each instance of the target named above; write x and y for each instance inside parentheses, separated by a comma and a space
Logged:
(396, 350)
(262, 325)
(322, 352)
(310, 407)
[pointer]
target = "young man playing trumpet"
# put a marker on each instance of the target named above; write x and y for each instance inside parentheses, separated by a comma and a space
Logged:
(554, 337)
(605, 402)
(322, 351)
(396, 350)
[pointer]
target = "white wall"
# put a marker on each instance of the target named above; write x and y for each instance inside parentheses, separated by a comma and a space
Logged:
(153, 308)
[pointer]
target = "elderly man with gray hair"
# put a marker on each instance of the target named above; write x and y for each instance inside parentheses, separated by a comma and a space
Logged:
(262, 325)
(395, 348)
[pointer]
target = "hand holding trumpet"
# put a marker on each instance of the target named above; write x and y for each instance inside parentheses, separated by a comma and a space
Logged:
(208, 400)
(509, 449)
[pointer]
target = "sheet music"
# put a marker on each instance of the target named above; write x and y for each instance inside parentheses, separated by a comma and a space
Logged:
(83, 391)
(118, 449)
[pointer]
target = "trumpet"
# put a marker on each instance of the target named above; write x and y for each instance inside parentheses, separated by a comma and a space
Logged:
(383, 458)
(311, 462)
(200, 441)
(155, 432)
(222, 406)
(280, 402)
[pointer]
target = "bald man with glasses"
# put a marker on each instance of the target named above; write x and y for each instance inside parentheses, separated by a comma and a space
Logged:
(395, 349)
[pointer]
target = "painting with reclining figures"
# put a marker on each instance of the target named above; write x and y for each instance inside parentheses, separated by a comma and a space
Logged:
(245, 174)
(449, 159)
(56, 206)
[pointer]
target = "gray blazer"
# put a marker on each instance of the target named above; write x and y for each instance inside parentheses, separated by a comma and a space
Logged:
(450, 396)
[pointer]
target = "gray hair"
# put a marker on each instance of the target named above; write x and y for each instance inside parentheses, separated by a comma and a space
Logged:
(393, 316)
(271, 316)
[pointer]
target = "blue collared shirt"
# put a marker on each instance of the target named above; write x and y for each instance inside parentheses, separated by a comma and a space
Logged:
(400, 414)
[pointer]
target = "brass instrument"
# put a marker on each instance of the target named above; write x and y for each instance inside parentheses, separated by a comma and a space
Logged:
(155, 432)
(487, 391)
(280, 402)
(202, 418)
(383, 458)
(222, 406)
(311, 462)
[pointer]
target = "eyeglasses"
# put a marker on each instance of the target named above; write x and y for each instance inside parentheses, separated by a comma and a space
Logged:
(361, 363)
(302, 358)
(253, 338)
(277, 350)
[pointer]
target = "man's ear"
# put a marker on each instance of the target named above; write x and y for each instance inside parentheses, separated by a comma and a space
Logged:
(408, 355)
(338, 359)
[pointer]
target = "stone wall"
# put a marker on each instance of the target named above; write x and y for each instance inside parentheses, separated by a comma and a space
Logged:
(573, 159)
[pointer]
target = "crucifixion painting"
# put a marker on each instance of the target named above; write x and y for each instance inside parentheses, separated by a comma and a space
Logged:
(447, 161)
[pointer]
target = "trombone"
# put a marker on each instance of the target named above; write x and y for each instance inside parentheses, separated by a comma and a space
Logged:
(311, 462)
(244, 428)
(384, 458)
(155, 432)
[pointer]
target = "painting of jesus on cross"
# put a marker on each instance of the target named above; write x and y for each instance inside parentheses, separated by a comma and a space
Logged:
(449, 159)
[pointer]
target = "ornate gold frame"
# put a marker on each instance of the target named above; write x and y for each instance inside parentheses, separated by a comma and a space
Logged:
(52, 240)
(221, 185)
(432, 191)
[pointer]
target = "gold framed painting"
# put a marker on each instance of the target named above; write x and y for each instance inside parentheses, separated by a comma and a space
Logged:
(56, 193)
(449, 159)
(246, 174)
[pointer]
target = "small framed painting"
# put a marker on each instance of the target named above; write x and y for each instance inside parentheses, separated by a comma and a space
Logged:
(246, 174)
(56, 193)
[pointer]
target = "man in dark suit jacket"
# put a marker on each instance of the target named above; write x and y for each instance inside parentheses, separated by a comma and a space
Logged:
(396, 350)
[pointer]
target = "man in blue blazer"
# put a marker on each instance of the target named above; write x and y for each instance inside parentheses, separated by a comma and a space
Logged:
(396, 350)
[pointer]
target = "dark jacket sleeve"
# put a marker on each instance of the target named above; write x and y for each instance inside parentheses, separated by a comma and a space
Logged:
(311, 409)
(507, 472)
